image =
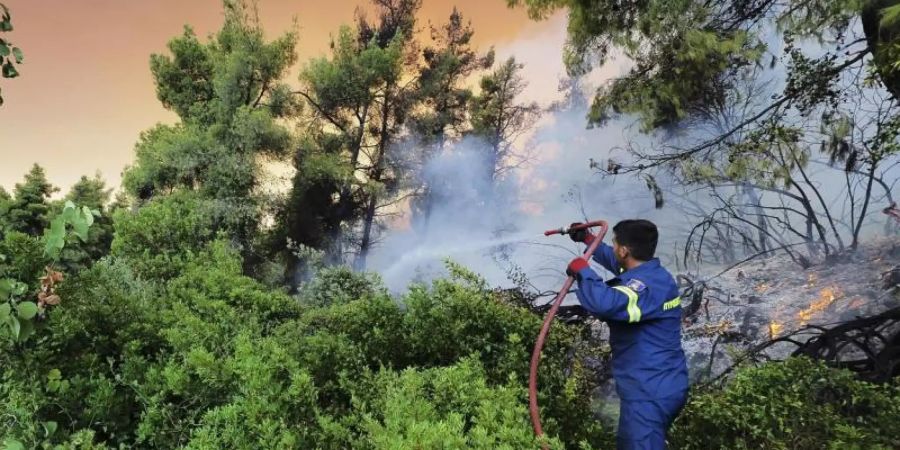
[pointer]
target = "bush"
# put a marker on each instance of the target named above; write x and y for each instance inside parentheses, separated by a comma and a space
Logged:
(339, 285)
(797, 404)
(205, 358)
(458, 319)
(450, 407)
(160, 237)
(22, 258)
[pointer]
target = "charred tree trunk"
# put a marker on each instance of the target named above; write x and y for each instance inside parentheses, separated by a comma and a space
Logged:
(865, 206)
(754, 200)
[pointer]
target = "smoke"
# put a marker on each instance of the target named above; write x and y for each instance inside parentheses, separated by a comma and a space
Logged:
(493, 226)
(496, 225)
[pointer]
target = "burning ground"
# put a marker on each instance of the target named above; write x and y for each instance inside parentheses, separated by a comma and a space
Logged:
(771, 298)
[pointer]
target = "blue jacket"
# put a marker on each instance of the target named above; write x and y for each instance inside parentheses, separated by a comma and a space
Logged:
(643, 310)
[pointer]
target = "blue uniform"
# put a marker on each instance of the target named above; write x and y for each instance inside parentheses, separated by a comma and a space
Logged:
(643, 310)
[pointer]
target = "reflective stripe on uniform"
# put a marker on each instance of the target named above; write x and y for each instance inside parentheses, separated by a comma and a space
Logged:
(634, 312)
(675, 302)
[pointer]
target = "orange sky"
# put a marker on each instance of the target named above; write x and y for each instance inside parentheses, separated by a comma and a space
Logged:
(85, 90)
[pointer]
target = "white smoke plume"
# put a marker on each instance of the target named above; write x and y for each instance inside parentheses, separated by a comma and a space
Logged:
(491, 226)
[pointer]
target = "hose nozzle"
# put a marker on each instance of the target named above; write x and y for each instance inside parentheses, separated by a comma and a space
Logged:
(562, 230)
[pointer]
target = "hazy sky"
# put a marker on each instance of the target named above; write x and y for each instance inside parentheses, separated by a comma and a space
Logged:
(85, 90)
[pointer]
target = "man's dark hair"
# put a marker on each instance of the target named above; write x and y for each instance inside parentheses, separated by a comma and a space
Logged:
(639, 236)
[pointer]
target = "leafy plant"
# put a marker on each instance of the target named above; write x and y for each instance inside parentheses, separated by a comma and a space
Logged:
(798, 404)
(20, 313)
(10, 55)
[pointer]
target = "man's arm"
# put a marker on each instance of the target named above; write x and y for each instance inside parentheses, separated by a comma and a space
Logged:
(618, 303)
(603, 254)
(605, 257)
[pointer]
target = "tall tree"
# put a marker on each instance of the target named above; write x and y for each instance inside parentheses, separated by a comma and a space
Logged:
(838, 62)
(359, 100)
(444, 96)
(393, 32)
(29, 210)
(499, 118)
(230, 99)
(689, 54)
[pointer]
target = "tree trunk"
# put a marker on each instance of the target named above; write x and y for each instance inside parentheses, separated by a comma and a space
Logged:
(865, 206)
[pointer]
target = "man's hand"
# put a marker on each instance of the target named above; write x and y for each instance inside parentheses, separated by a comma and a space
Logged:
(582, 235)
(576, 266)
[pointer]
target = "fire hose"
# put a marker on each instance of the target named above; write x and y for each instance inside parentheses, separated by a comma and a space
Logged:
(545, 328)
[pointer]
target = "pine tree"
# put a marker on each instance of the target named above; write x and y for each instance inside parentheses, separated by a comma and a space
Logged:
(498, 117)
(29, 210)
(230, 99)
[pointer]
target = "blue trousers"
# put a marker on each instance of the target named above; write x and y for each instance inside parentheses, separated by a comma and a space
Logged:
(643, 423)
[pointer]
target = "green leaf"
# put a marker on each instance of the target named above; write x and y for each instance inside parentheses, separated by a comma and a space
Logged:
(50, 428)
(27, 329)
(12, 444)
(14, 326)
(5, 309)
(55, 237)
(4, 50)
(26, 310)
(18, 288)
(9, 71)
(70, 213)
(88, 215)
(17, 52)
(6, 288)
(80, 228)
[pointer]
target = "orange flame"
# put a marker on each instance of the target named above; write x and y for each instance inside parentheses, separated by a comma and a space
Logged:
(775, 328)
(827, 296)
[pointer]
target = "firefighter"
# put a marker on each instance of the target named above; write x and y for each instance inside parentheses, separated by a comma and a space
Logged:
(643, 310)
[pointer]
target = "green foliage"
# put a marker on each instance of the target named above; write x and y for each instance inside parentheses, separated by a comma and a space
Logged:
(19, 260)
(230, 98)
(161, 236)
(213, 359)
(29, 211)
(688, 55)
(10, 55)
(72, 219)
(90, 193)
(16, 313)
(798, 404)
(497, 117)
(338, 285)
(359, 104)
(448, 63)
(448, 407)
(459, 319)
(23, 258)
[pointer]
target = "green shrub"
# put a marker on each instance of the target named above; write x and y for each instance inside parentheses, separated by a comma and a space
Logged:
(450, 407)
(22, 258)
(797, 404)
(272, 404)
(338, 285)
(160, 237)
(457, 319)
